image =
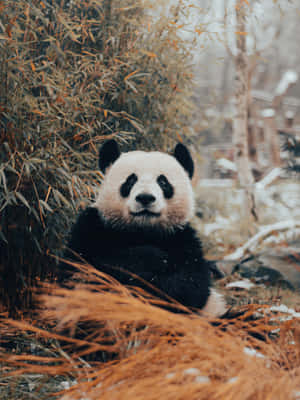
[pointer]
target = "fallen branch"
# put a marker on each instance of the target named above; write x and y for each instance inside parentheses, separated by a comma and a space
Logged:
(260, 236)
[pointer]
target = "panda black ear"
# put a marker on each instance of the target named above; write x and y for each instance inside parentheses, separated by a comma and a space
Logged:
(108, 154)
(184, 158)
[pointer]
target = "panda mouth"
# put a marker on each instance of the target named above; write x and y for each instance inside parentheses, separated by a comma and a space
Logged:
(145, 213)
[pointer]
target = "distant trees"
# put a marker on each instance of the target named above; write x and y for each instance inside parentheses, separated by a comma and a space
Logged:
(240, 121)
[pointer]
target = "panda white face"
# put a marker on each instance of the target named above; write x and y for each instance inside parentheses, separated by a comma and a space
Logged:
(146, 189)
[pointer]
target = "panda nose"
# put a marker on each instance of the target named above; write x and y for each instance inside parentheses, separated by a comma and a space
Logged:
(145, 199)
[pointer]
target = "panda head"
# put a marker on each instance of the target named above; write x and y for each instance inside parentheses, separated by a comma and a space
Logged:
(146, 189)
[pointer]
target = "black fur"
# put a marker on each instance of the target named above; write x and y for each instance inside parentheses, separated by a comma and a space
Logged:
(183, 156)
(126, 187)
(172, 262)
(165, 186)
(108, 154)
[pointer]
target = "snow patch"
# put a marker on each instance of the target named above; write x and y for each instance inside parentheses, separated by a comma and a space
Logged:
(66, 385)
(269, 178)
(202, 379)
(234, 379)
(288, 78)
(242, 284)
(286, 310)
(170, 375)
(198, 377)
(268, 113)
(217, 183)
(296, 394)
(289, 114)
(220, 223)
(31, 386)
(191, 371)
(253, 352)
(226, 165)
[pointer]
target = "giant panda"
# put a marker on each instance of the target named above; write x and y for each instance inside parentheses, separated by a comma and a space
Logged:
(138, 230)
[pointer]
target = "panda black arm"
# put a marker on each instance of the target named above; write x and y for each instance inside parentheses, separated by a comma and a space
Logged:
(84, 241)
(86, 234)
(185, 250)
(190, 281)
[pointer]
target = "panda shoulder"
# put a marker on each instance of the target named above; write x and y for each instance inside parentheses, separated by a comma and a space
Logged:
(89, 214)
(190, 236)
(88, 220)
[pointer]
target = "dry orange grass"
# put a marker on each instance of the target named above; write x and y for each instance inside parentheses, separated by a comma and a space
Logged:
(160, 354)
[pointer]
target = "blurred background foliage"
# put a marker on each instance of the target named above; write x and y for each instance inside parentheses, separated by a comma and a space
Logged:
(73, 73)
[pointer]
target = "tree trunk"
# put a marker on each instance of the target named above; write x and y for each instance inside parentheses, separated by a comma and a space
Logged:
(240, 123)
(272, 137)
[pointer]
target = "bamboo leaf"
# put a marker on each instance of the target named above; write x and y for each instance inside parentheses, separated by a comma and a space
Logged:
(149, 53)
(46, 206)
(3, 178)
(61, 198)
(131, 74)
(2, 236)
(23, 200)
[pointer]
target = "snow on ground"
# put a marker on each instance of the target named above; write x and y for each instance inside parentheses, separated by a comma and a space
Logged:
(263, 232)
(286, 310)
(288, 78)
(253, 352)
(241, 284)
(277, 205)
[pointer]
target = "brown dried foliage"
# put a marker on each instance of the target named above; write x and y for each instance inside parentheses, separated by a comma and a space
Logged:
(73, 73)
(159, 354)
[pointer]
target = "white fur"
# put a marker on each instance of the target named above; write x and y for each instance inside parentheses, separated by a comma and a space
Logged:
(173, 212)
(215, 305)
(147, 166)
(147, 184)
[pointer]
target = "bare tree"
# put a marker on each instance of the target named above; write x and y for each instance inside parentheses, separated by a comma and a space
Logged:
(240, 123)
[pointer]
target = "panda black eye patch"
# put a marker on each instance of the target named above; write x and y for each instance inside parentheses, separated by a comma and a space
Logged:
(165, 186)
(128, 185)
